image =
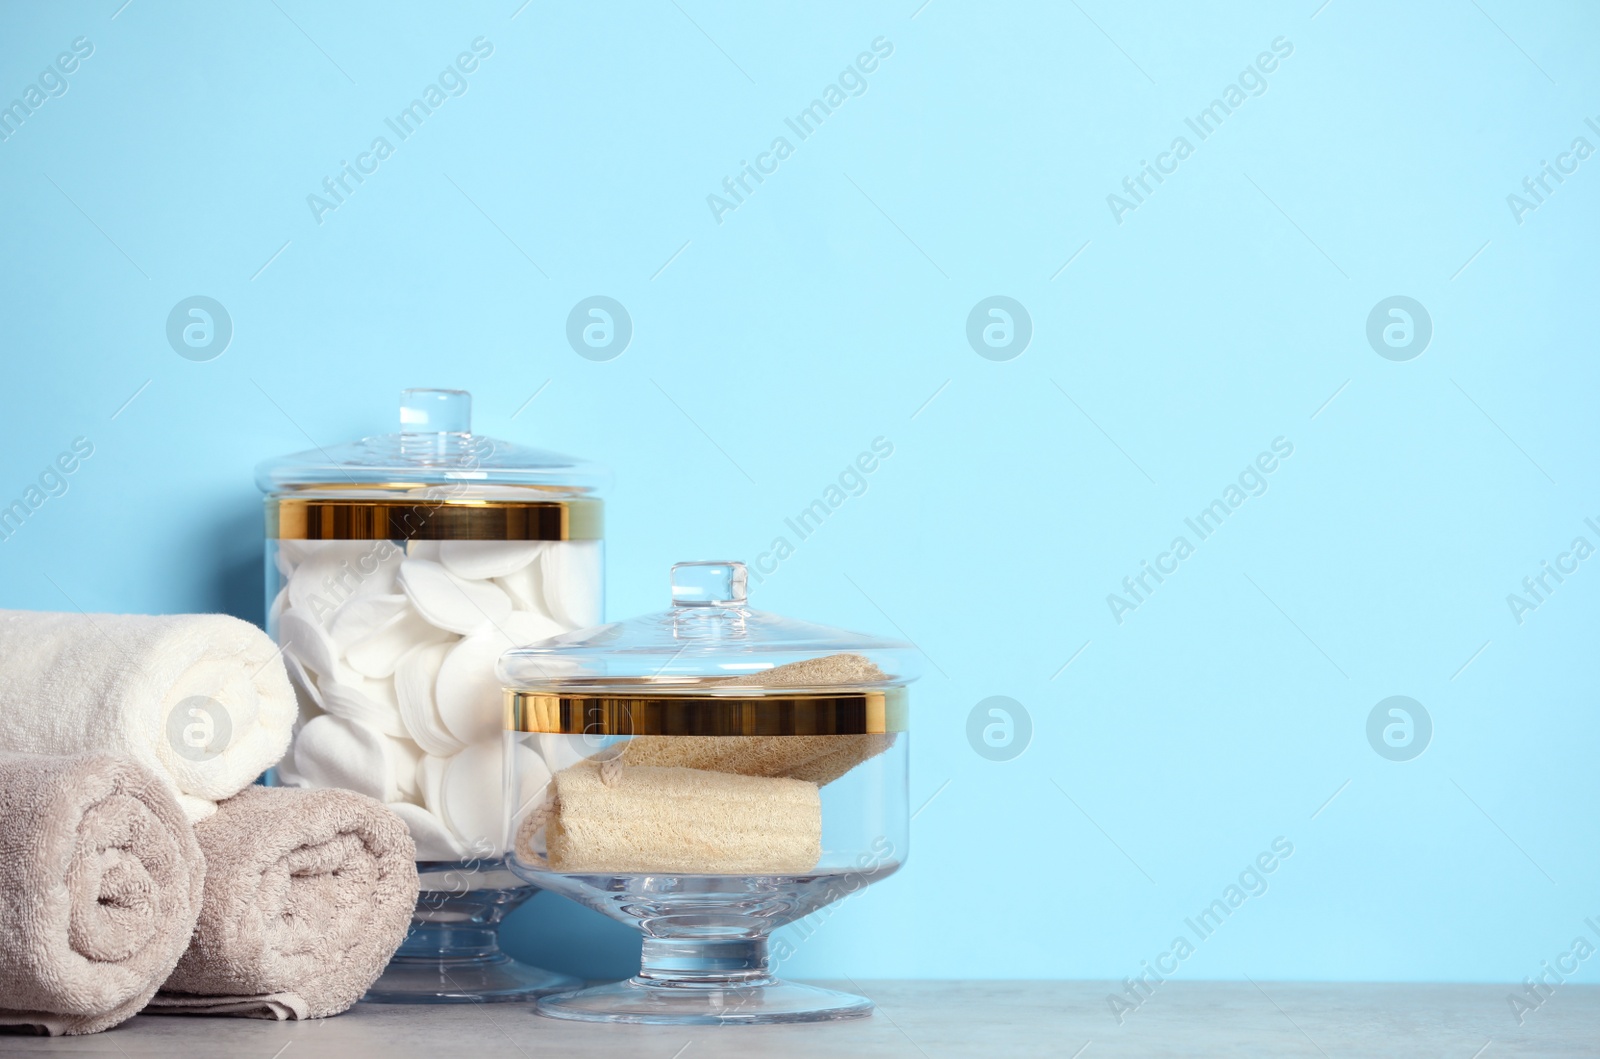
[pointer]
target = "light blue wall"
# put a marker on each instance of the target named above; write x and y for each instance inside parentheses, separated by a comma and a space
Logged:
(1226, 310)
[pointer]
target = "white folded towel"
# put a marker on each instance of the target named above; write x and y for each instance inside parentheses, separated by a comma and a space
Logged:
(203, 700)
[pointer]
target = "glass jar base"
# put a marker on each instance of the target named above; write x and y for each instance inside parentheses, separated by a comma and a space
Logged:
(452, 953)
(767, 1001)
(498, 979)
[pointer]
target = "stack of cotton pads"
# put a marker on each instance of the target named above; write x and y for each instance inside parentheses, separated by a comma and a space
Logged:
(392, 649)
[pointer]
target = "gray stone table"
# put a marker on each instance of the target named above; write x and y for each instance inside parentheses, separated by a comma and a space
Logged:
(931, 1020)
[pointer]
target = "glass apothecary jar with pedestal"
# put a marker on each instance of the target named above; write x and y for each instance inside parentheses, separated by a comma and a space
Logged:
(399, 568)
(707, 774)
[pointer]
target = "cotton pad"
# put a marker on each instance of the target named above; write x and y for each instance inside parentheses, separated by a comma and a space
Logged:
(326, 576)
(404, 757)
(378, 567)
(481, 560)
(451, 602)
(423, 550)
(305, 687)
(291, 553)
(571, 581)
(434, 840)
(468, 691)
(369, 701)
(414, 681)
(473, 798)
(312, 645)
(526, 588)
(379, 653)
(430, 777)
(358, 619)
(334, 752)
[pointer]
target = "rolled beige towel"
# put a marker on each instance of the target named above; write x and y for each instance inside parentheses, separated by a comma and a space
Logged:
(100, 888)
(201, 699)
(677, 821)
(308, 894)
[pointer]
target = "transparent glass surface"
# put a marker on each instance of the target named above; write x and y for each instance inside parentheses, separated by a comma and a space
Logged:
(708, 638)
(452, 954)
(732, 771)
(435, 447)
(391, 645)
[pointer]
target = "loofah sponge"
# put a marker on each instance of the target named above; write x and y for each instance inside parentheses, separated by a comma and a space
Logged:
(678, 821)
(820, 759)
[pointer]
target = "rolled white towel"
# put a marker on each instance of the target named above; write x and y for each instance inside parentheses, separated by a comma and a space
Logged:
(203, 700)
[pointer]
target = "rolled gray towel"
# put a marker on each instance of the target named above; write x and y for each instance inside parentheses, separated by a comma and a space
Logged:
(100, 888)
(308, 893)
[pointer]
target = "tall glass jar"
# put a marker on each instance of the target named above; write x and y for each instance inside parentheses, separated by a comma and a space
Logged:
(399, 568)
(707, 774)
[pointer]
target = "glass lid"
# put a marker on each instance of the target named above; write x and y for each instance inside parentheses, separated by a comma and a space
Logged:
(434, 445)
(709, 642)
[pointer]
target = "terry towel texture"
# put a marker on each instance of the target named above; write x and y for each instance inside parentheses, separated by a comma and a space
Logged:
(308, 893)
(678, 820)
(100, 888)
(202, 699)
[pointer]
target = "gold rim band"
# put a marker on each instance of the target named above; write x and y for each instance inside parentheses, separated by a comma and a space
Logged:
(845, 713)
(293, 518)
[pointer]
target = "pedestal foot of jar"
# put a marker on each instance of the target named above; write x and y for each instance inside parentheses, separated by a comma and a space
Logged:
(690, 982)
(452, 955)
(498, 979)
(698, 1004)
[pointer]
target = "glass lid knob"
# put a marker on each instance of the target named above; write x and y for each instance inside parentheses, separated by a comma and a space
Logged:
(709, 584)
(435, 412)
(435, 425)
